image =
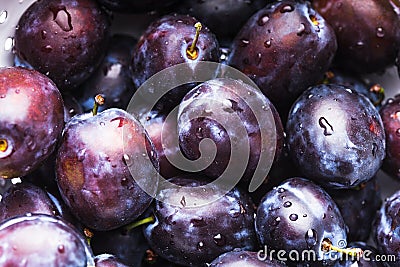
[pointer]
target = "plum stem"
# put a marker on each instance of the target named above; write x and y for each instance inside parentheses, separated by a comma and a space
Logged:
(192, 51)
(377, 89)
(3, 145)
(138, 223)
(98, 101)
(88, 234)
(327, 246)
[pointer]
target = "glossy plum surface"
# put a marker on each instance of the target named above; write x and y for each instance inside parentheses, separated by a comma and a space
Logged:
(335, 136)
(194, 235)
(31, 120)
(92, 168)
(108, 260)
(24, 198)
(368, 32)
(64, 39)
(163, 44)
(390, 114)
(243, 258)
(42, 241)
(211, 109)
(386, 227)
(299, 215)
(284, 39)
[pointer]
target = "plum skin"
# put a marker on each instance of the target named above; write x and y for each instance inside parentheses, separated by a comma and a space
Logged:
(64, 39)
(31, 120)
(299, 215)
(93, 169)
(284, 39)
(391, 122)
(335, 136)
(194, 235)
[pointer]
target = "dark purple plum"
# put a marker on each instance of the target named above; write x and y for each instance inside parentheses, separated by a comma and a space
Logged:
(23, 198)
(128, 245)
(108, 260)
(93, 168)
(358, 207)
(137, 6)
(112, 79)
(335, 136)
(386, 228)
(212, 110)
(368, 33)
(299, 215)
(31, 120)
(224, 18)
(244, 258)
(166, 43)
(368, 259)
(284, 39)
(42, 241)
(64, 39)
(390, 114)
(195, 230)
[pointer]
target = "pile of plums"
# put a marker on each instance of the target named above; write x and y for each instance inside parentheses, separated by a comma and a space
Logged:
(94, 184)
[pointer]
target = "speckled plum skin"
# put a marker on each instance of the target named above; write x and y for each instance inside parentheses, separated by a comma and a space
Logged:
(213, 117)
(368, 33)
(197, 235)
(92, 168)
(42, 241)
(243, 258)
(24, 198)
(335, 136)
(31, 120)
(284, 39)
(390, 114)
(64, 39)
(299, 215)
(386, 227)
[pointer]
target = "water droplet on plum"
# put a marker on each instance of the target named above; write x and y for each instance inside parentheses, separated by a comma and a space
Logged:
(380, 33)
(263, 20)
(287, 8)
(326, 126)
(287, 204)
(293, 217)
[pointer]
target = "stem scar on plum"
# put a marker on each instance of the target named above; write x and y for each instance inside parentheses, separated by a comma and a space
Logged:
(98, 101)
(192, 51)
(327, 246)
(3, 145)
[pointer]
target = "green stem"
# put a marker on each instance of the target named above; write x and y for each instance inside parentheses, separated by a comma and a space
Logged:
(138, 223)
